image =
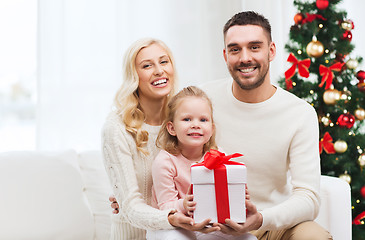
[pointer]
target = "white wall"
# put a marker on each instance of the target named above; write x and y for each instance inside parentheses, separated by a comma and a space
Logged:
(81, 43)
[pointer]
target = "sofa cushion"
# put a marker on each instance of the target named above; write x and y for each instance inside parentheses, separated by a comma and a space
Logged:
(97, 190)
(42, 197)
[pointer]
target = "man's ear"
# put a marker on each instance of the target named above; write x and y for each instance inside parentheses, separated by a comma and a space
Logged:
(170, 128)
(272, 51)
(224, 54)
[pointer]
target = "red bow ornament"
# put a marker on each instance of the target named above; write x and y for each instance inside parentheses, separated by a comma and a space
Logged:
(302, 67)
(359, 219)
(327, 74)
(312, 17)
(327, 144)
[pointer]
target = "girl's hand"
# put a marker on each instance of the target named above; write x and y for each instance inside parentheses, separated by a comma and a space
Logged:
(247, 194)
(189, 204)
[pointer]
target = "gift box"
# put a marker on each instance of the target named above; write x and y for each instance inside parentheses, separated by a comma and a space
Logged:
(219, 186)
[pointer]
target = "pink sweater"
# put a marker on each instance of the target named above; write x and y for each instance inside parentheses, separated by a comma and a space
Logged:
(171, 180)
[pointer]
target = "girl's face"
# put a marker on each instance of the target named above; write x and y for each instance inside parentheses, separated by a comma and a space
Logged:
(192, 124)
(155, 72)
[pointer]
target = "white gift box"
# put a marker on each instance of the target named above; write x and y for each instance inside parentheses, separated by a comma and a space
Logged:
(204, 191)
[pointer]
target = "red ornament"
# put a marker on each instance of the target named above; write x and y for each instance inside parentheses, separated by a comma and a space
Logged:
(346, 120)
(362, 192)
(322, 4)
(340, 57)
(361, 87)
(298, 18)
(347, 35)
(360, 75)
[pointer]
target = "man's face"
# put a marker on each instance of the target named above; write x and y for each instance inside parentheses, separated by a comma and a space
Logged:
(248, 52)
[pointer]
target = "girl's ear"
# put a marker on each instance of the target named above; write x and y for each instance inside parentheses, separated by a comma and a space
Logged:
(170, 128)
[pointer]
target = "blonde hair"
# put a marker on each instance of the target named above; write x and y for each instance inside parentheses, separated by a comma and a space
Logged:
(170, 143)
(126, 100)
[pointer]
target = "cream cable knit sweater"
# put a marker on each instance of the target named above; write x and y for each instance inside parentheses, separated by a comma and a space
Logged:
(129, 172)
(279, 140)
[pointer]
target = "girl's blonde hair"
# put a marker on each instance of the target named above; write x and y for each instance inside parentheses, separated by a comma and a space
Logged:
(126, 100)
(170, 143)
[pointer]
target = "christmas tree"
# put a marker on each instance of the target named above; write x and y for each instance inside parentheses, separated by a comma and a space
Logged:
(325, 72)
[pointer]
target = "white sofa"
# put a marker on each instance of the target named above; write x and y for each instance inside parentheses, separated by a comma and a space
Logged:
(64, 195)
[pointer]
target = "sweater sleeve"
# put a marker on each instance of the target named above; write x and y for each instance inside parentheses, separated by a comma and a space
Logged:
(304, 166)
(163, 174)
(119, 166)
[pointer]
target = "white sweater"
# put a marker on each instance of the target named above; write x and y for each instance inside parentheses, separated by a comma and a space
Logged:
(129, 172)
(279, 141)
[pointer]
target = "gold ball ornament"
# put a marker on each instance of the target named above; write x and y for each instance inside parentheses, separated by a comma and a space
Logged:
(352, 63)
(315, 49)
(331, 96)
(360, 114)
(361, 160)
(347, 25)
(340, 146)
(346, 177)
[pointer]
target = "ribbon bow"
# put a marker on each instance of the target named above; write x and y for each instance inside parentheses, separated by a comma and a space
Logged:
(327, 74)
(214, 159)
(326, 144)
(359, 219)
(302, 67)
(312, 17)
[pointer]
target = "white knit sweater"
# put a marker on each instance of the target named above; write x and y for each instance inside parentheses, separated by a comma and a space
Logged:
(279, 140)
(129, 172)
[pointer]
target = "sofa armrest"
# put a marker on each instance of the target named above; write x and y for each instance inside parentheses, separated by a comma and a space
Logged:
(335, 210)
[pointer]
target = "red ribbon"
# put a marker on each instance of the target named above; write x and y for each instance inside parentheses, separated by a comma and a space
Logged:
(326, 144)
(312, 17)
(302, 67)
(327, 74)
(358, 218)
(215, 160)
(289, 84)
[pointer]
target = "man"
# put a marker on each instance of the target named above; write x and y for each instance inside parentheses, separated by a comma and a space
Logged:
(276, 131)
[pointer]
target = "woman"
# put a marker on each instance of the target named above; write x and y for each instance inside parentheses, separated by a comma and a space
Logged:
(128, 140)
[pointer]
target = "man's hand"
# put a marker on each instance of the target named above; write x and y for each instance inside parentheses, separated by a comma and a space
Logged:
(114, 204)
(253, 222)
(178, 219)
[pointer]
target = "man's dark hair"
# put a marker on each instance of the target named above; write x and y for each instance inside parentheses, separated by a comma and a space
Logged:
(248, 18)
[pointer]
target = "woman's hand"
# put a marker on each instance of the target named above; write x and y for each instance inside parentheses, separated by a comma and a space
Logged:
(114, 204)
(178, 219)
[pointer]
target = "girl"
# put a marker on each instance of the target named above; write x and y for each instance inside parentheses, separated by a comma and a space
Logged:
(128, 141)
(185, 136)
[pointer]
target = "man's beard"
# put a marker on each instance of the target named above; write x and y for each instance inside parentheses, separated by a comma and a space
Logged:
(260, 78)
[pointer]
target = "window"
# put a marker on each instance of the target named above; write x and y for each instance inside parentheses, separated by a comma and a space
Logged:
(18, 75)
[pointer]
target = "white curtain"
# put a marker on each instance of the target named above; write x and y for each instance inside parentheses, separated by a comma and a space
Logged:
(81, 44)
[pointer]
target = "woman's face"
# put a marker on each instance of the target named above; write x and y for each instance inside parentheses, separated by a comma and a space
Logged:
(155, 72)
